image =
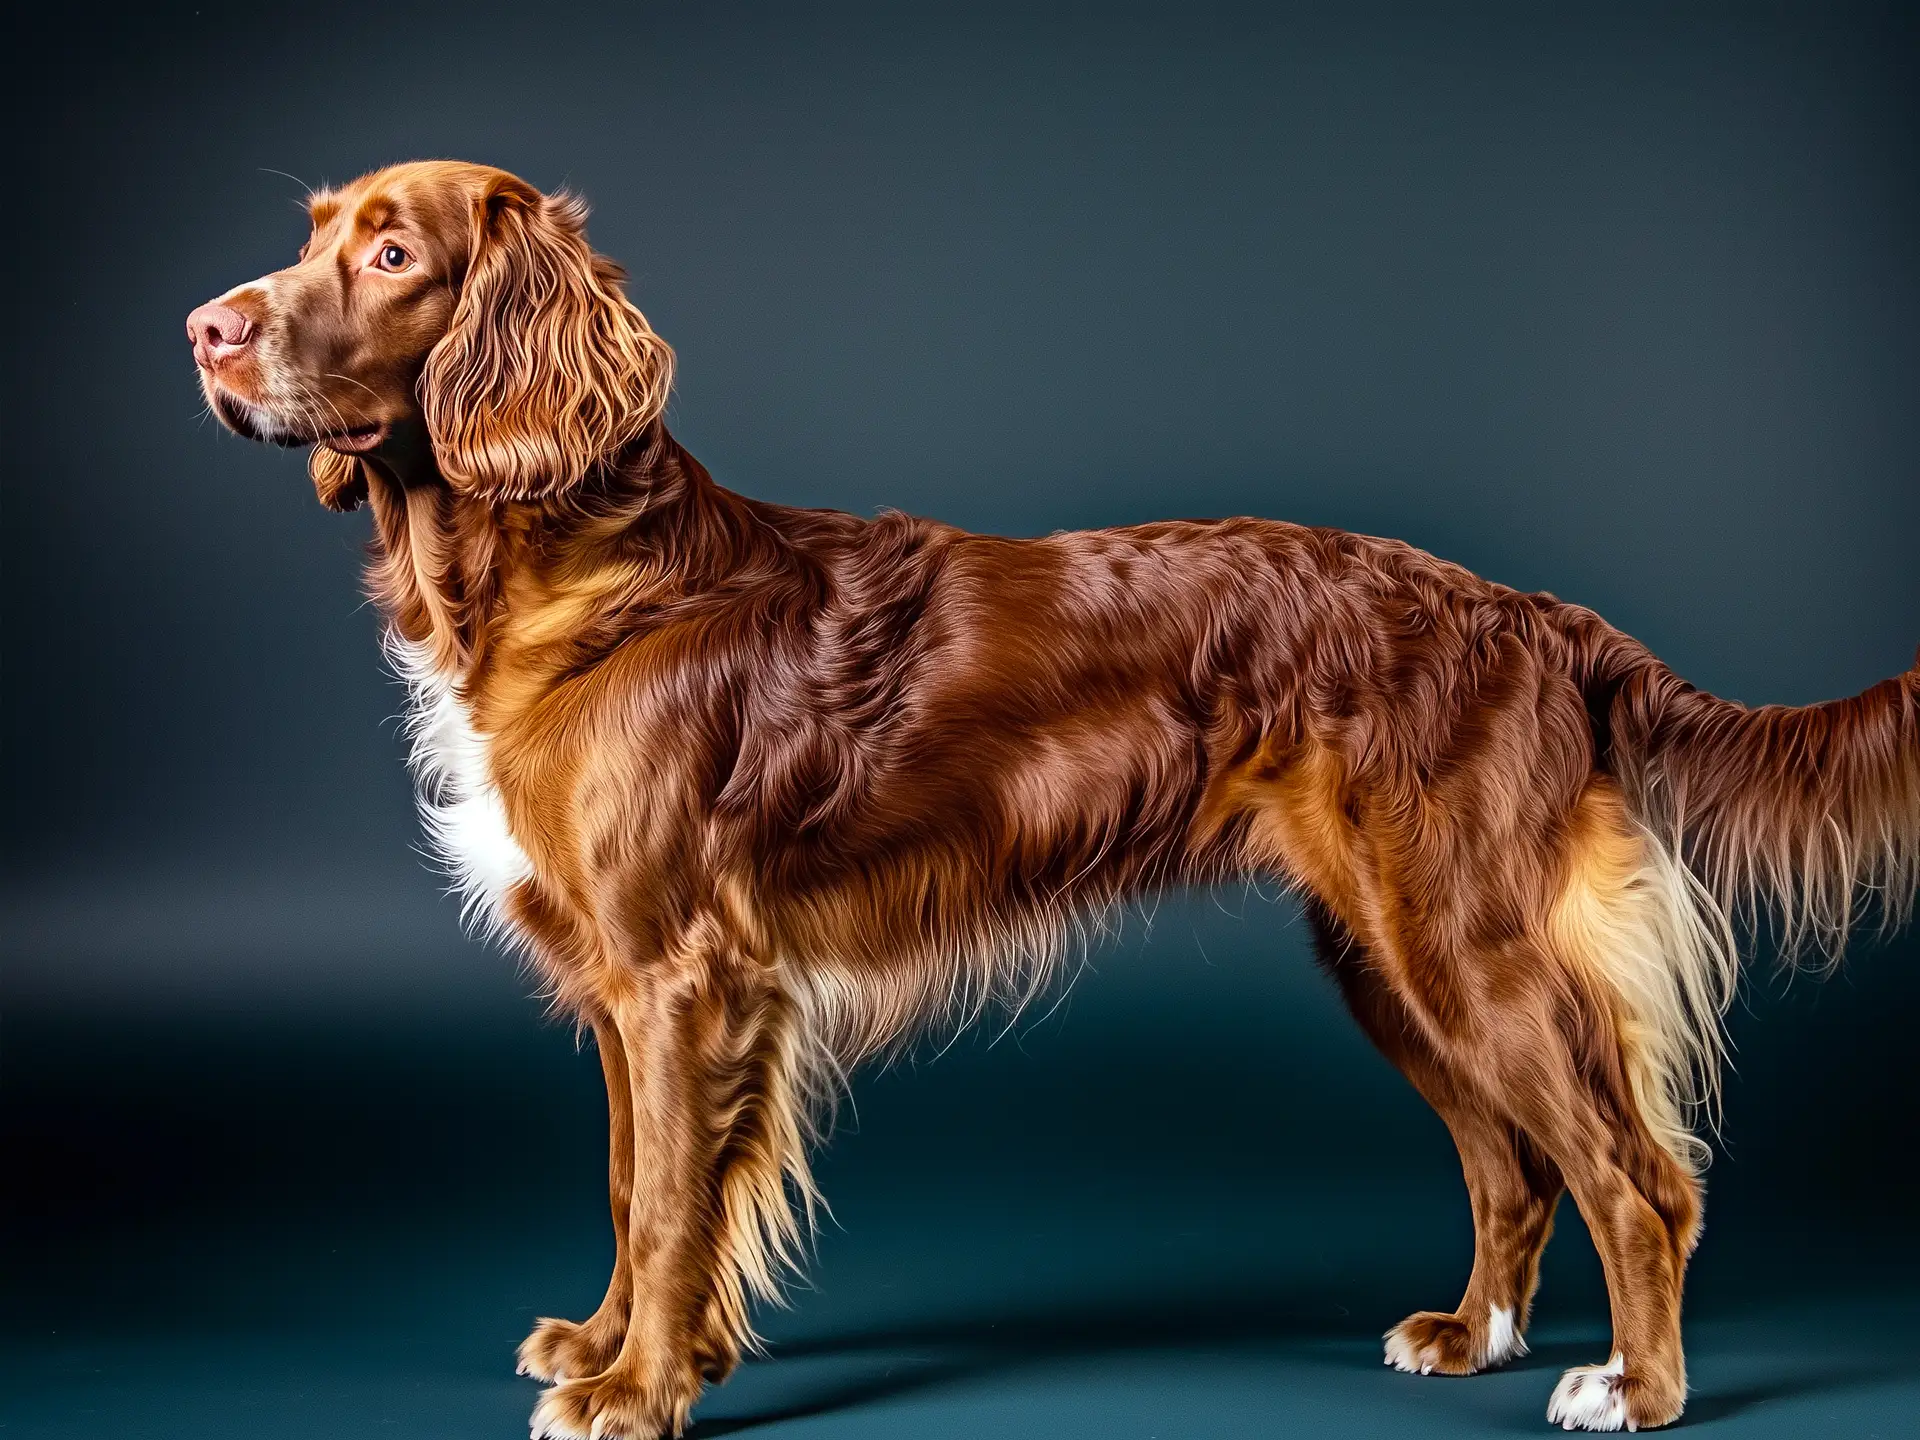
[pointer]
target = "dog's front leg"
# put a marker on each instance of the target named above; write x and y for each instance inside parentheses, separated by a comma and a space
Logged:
(709, 1046)
(560, 1348)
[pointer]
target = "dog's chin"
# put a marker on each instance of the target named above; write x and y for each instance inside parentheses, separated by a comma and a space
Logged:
(255, 422)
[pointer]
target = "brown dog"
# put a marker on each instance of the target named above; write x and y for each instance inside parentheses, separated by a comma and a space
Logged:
(764, 791)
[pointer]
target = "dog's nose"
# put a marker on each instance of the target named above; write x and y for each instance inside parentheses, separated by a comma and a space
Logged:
(217, 332)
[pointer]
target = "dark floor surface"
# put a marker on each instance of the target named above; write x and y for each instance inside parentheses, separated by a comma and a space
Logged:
(1185, 1204)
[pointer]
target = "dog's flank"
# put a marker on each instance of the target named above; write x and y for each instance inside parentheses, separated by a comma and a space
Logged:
(762, 792)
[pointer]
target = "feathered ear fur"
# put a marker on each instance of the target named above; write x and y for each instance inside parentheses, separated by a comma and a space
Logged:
(339, 480)
(547, 368)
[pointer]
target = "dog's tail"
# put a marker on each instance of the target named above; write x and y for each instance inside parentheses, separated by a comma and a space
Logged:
(1805, 817)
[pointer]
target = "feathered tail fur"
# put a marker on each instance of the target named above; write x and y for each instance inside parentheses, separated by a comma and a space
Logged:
(1806, 817)
(1802, 819)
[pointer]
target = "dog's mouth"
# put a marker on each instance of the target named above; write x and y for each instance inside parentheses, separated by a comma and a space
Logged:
(256, 423)
(355, 441)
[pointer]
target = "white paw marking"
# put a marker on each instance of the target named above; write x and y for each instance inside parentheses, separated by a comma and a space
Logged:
(1587, 1399)
(1403, 1357)
(548, 1424)
(1503, 1341)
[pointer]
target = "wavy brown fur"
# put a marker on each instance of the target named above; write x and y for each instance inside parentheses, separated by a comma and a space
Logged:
(781, 788)
(1808, 816)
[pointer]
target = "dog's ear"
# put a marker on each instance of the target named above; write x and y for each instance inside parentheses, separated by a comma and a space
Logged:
(339, 480)
(547, 368)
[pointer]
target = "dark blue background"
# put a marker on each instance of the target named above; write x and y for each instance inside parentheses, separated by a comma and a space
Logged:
(1617, 301)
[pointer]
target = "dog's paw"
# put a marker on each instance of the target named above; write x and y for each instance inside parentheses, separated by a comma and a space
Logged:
(616, 1405)
(1431, 1343)
(559, 1348)
(1605, 1397)
(716, 1354)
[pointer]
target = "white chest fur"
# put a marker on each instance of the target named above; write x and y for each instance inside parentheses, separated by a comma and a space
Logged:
(460, 806)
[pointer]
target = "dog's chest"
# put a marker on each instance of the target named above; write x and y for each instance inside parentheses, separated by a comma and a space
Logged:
(461, 810)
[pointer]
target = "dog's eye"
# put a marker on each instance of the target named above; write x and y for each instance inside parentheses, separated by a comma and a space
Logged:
(392, 257)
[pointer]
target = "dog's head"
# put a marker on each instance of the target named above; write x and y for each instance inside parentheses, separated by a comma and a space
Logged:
(443, 308)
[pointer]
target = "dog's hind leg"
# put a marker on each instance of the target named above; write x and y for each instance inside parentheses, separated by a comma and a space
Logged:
(1555, 1060)
(1512, 1187)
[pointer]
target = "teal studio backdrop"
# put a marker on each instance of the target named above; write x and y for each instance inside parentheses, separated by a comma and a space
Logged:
(1617, 301)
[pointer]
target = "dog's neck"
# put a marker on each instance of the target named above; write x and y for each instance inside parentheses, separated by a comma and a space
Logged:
(648, 526)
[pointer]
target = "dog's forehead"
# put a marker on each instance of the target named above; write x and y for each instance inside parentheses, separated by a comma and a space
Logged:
(428, 194)
(335, 209)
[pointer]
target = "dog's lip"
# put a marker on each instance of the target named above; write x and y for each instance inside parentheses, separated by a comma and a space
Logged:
(356, 439)
(243, 417)
(247, 417)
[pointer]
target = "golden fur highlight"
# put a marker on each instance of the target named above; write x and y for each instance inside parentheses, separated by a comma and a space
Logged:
(1644, 929)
